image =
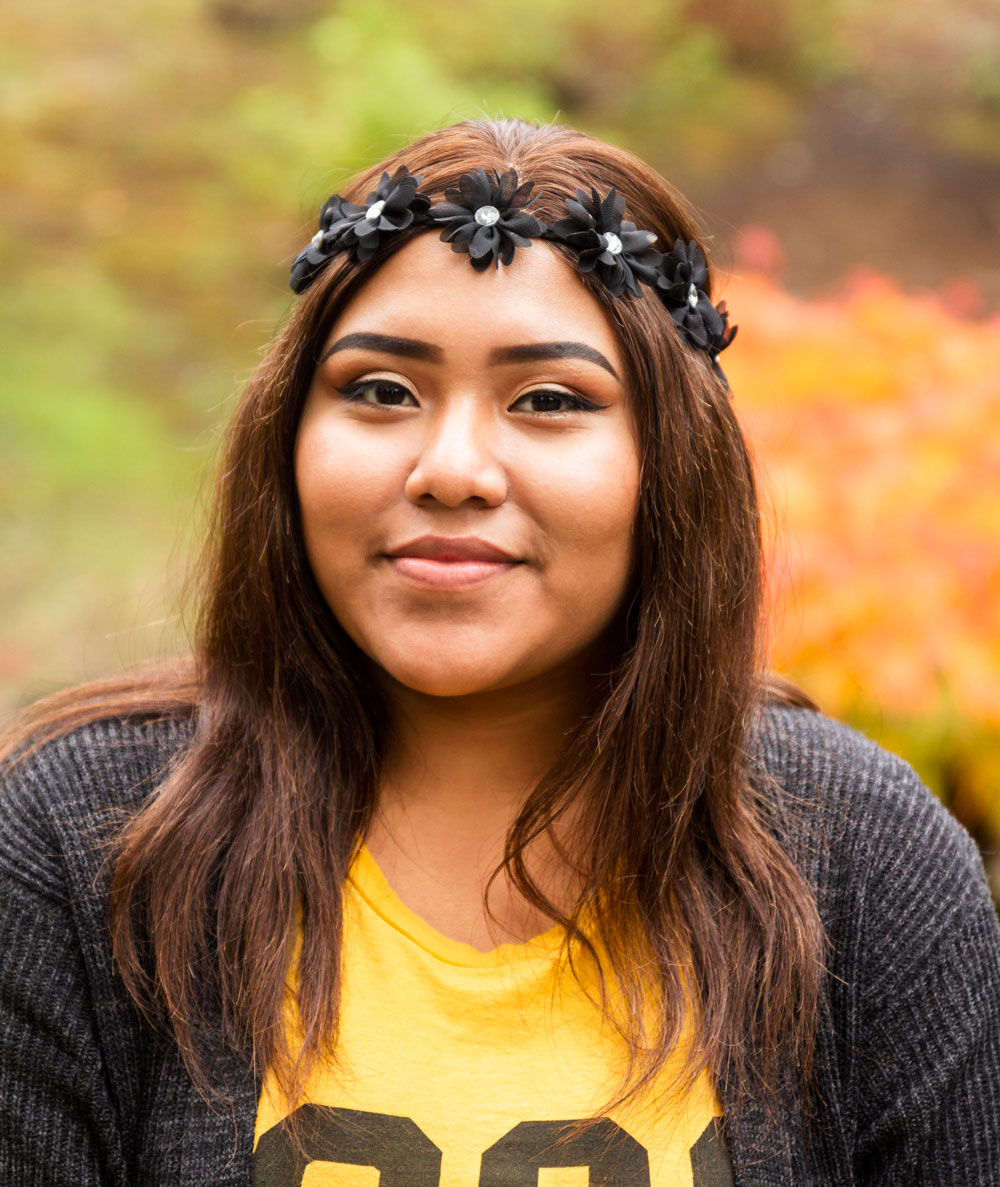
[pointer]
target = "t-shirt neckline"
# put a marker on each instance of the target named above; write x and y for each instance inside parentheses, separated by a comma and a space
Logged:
(375, 892)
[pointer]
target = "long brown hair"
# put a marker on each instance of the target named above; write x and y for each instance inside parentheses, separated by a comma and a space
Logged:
(255, 828)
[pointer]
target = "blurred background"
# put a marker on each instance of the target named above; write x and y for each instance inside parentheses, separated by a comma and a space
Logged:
(162, 163)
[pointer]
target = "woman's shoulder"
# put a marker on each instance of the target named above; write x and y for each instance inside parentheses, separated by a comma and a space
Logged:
(62, 799)
(865, 828)
(120, 756)
(835, 767)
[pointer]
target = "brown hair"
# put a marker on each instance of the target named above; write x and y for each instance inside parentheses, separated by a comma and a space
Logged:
(258, 822)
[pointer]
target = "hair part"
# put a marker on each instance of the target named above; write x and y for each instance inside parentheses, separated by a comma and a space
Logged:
(695, 914)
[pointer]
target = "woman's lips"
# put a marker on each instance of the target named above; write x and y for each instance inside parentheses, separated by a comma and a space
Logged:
(457, 574)
(450, 562)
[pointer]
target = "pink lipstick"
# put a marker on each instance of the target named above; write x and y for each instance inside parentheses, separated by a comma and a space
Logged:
(450, 563)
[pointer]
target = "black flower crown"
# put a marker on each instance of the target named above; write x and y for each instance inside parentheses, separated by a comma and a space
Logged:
(484, 216)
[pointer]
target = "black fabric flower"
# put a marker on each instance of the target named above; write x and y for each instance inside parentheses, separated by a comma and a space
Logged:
(394, 206)
(680, 279)
(605, 241)
(344, 226)
(334, 218)
(485, 217)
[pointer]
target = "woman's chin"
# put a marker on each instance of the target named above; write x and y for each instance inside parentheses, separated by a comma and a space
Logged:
(458, 676)
(448, 683)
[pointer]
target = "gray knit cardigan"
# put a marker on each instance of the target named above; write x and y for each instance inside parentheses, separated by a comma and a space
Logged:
(909, 1041)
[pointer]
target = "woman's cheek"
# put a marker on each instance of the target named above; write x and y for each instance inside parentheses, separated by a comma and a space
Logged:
(344, 475)
(593, 490)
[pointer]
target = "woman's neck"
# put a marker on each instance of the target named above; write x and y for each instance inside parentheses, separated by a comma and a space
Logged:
(456, 778)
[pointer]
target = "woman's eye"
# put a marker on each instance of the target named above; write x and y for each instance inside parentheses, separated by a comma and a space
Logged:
(381, 393)
(550, 400)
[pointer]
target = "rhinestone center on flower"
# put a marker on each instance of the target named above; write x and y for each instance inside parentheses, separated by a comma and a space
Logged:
(486, 216)
(375, 210)
(692, 296)
(612, 244)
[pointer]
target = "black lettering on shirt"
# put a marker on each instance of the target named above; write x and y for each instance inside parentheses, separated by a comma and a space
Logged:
(614, 1157)
(405, 1157)
(402, 1153)
(710, 1165)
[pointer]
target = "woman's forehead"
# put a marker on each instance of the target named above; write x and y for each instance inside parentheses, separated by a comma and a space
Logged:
(426, 291)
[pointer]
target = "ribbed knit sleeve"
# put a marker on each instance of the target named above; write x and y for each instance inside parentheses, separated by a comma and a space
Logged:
(928, 1068)
(912, 1064)
(72, 1078)
(58, 1120)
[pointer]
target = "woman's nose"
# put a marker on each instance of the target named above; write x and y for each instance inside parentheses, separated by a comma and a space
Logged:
(458, 458)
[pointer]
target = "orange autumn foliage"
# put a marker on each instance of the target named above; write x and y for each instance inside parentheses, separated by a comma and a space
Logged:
(875, 417)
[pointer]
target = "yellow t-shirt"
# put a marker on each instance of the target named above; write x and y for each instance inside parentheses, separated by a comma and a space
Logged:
(460, 1068)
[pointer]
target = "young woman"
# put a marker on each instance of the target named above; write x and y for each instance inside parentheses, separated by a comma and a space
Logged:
(474, 845)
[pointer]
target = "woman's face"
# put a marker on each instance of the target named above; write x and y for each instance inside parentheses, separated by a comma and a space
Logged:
(467, 471)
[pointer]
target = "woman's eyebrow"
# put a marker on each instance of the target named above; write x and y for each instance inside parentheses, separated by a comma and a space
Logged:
(415, 349)
(532, 351)
(410, 348)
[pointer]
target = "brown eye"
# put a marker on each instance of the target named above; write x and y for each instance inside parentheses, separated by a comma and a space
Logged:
(551, 400)
(381, 393)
